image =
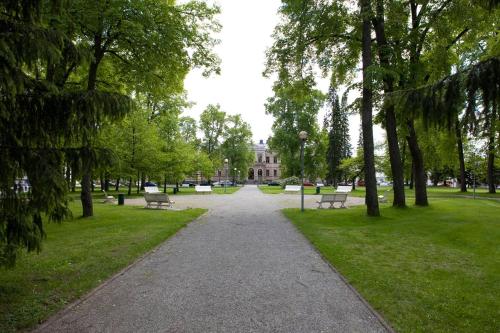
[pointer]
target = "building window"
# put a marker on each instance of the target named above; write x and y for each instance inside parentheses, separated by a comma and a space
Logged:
(267, 173)
(260, 158)
(275, 160)
(275, 172)
(267, 159)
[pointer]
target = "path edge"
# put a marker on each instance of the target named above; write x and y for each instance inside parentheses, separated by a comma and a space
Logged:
(377, 315)
(61, 313)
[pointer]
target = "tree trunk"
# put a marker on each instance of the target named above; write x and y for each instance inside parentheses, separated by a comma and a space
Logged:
(86, 196)
(143, 180)
(106, 182)
(366, 114)
(129, 185)
(165, 185)
(103, 185)
(390, 116)
(138, 182)
(491, 149)
(418, 166)
(412, 178)
(117, 185)
(491, 164)
(461, 160)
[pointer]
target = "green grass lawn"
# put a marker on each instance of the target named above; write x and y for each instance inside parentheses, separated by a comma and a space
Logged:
(78, 255)
(434, 269)
(99, 195)
(432, 192)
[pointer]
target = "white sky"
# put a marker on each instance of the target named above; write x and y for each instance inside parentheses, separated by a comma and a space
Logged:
(246, 34)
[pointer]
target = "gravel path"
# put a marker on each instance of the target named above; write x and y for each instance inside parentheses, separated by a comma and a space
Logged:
(242, 267)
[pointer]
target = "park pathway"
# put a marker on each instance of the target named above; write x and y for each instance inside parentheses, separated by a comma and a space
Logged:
(242, 267)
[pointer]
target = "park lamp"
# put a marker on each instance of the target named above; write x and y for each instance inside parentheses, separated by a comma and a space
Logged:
(303, 138)
(225, 167)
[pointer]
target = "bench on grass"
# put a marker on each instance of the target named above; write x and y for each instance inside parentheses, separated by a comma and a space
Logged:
(331, 199)
(108, 198)
(151, 189)
(292, 188)
(203, 189)
(343, 189)
(158, 198)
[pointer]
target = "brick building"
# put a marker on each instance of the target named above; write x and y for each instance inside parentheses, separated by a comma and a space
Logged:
(266, 166)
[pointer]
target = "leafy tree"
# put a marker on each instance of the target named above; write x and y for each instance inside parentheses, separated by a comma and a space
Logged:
(295, 106)
(237, 144)
(143, 43)
(188, 128)
(212, 121)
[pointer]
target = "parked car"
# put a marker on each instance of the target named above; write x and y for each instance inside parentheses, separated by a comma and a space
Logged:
(222, 182)
(148, 184)
(308, 184)
(273, 183)
(360, 183)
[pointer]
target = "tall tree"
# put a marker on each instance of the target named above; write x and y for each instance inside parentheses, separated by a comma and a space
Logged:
(212, 122)
(339, 141)
(294, 106)
(237, 145)
(390, 123)
(41, 120)
(371, 198)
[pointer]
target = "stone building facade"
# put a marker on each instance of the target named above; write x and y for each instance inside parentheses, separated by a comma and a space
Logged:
(266, 167)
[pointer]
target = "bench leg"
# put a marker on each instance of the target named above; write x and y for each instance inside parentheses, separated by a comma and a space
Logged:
(320, 205)
(342, 204)
(332, 205)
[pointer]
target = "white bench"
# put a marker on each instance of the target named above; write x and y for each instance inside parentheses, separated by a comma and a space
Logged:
(343, 189)
(331, 199)
(292, 188)
(159, 198)
(108, 198)
(151, 189)
(203, 189)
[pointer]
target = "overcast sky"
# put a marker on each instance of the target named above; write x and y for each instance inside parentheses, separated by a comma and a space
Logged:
(246, 34)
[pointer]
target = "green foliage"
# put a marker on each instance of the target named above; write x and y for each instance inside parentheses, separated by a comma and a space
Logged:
(212, 122)
(69, 70)
(295, 107)
(237, 145)
(339, 146)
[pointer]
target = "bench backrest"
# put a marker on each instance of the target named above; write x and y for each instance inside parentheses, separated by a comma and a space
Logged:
(292, 188)
(156, 197)
(151, 189)
(335, 197)
(203, 188)
(344, 189)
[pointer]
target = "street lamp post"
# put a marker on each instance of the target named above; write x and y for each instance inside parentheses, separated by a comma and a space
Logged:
(225, 167)
(234, 177)
(303, 138)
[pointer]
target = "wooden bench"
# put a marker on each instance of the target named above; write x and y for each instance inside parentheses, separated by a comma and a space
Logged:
(343, 189)
(292, 188)
(158, 198)
(203, 189)
(332, 198)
